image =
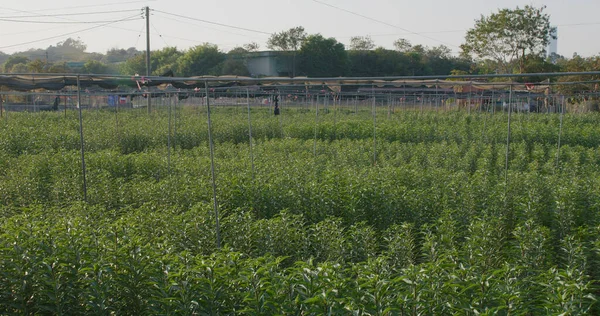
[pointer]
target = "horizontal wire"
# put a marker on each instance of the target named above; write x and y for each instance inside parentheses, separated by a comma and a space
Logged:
(66, 34)
(214, 23)
(65, 14)
(63, 22)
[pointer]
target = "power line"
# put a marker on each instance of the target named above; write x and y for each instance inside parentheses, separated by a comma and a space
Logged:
(63, 22)
(66, 34)
(400, 34)
(382, 22)
(214, 23)
(67, 19)
(463, 30)
(65, 14)
(139, 36)
(209, 28)
(159, 35)
(34, 31)
(84, 6)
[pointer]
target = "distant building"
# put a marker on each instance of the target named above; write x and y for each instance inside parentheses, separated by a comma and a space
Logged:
(268, 64)
(552, 49)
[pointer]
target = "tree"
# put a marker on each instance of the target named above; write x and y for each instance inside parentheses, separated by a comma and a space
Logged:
(402, 45)
(161, 61)
(94, 67)
(439, 61)
(19, 68)
(578, 64)
(323, 57)
(3, 57)
(36, 66)
(203, 59)
(60, 68)
(72, 44)
(134, 65)
(251, 47)
(509, 35)
(378, 62)
(14, 60)
(116, 55)
(289, 41)
(236, 63)
(68, 50)
(361, 43)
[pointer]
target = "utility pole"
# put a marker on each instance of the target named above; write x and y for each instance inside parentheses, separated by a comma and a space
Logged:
(148, 97)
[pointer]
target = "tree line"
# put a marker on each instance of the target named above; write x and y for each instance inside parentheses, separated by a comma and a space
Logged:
(508, 41)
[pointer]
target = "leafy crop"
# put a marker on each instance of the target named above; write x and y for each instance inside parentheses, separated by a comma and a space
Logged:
(318, 226)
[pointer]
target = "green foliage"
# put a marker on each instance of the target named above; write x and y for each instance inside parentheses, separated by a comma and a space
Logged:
(14, 60)
(431, 228)
(509, 34)
(200, 60)
(236, 63)
(94, 67)
(290, 40)
(323, 57)
(161, 61)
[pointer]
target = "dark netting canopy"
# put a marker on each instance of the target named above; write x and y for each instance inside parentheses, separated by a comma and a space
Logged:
(58, 82)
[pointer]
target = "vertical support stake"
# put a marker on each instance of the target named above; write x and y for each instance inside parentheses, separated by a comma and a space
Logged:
(81, 140)
(212, 168)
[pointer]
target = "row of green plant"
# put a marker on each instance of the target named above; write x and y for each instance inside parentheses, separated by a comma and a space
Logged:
(407, 182)
(341, 224)
(90, 260)
(135, 131)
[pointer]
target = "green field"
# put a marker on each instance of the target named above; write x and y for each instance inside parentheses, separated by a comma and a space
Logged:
(406, 213)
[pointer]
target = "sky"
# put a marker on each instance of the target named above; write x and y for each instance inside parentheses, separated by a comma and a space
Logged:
(106, 24)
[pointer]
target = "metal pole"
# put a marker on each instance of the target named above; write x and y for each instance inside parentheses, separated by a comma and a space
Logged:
(250, 132)
(169, 138)
(391, 104)
(81, 140)
(212, 167)
(148, 53)
(374, 126)
(316, 125)
(562, 112)
(280, 114)
(1, 107)
(508, 139)
(335, 115)
(436, 93)
(117, 120)
(175, 121)
(306, 96)
(493, 103)
(469, 98)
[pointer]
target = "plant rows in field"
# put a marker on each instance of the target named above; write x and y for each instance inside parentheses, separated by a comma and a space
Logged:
(162, 261)
(132, 132)
(431, 226)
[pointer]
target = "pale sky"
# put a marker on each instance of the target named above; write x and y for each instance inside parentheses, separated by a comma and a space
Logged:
(435, 22)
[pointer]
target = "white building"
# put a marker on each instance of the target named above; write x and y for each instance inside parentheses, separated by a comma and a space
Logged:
(553, 45)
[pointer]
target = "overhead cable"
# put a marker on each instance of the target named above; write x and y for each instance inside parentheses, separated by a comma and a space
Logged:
(383, 22)
(214, 23)
(70, 33)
